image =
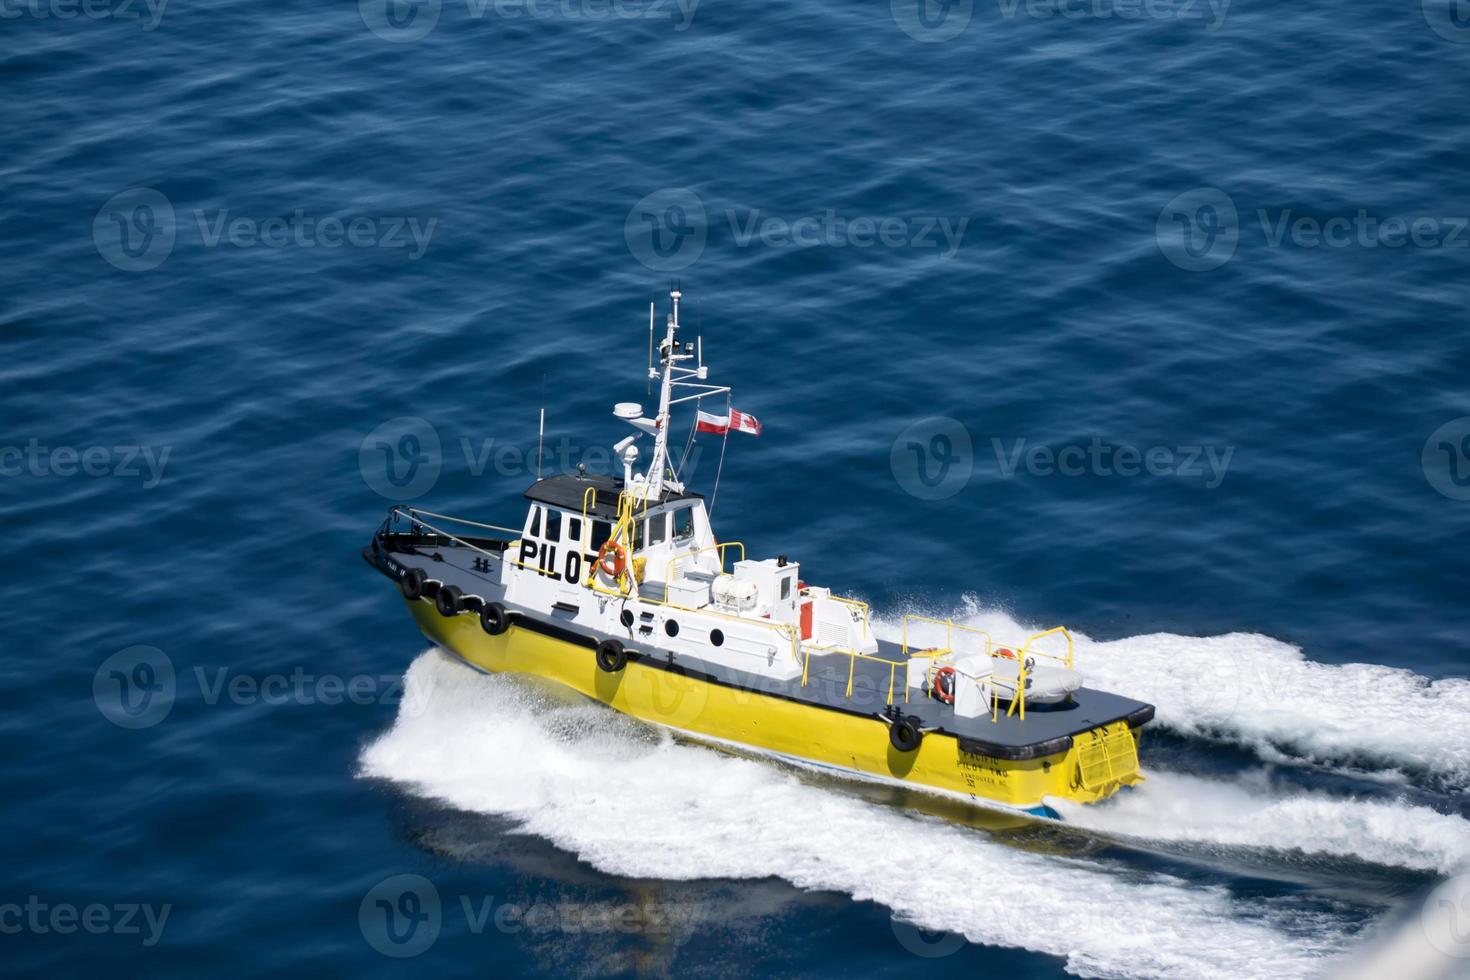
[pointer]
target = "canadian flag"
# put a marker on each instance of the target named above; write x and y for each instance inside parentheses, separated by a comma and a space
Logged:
(721, 424)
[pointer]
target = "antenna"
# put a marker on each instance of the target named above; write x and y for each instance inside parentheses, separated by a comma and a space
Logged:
(650, 348)
(541, 438)
(541, 434)
(679, 383)
(714, 497)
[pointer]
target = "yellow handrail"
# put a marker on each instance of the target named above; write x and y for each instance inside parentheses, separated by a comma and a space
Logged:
(673, 560)
(948, 649)
(621, 530)
(1051, 632)
(949, 625)
(1018, 703)
(853, 658)
(1020, 699)
(787, 631)
(589, 492)
(1021, 671)
(853, 602)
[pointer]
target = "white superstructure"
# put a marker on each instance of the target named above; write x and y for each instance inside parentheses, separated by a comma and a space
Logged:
(635, 559)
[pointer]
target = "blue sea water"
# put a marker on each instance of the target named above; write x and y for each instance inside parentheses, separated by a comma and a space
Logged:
(1146, 319)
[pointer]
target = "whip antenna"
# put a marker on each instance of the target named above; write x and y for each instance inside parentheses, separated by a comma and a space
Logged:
(716, 494)
(541, 434)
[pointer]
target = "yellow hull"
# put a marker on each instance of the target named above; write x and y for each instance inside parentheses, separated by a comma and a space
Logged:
(1097, 765)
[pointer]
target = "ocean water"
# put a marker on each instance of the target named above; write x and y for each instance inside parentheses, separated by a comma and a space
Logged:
(1148, 319)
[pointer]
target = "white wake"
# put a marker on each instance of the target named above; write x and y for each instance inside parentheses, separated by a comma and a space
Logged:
(1251, 813)
(1265, 695)
(635, 803)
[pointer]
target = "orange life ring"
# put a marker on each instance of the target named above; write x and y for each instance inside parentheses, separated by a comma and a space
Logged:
(1003, 652)
(612, 559)
(946, 696)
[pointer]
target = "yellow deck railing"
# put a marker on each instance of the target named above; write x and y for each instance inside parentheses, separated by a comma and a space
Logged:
(1021, 654)
(674, 560)
(856, 605)
(853, 657)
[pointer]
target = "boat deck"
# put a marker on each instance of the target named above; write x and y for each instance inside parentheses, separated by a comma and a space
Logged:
(1044, 731)
(1047, 729)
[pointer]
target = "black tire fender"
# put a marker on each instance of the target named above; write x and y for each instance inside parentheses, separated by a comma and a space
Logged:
(611, 656)
(449, 601)
(494, 619)
(412, 584)
(905, 733)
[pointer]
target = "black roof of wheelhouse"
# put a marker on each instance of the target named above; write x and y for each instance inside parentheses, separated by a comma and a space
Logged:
(568, 491)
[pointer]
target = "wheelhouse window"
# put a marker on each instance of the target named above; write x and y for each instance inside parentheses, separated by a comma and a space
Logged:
(683, 525)
(534, 528)
(574, 530)
(658, 529)
(553, 525)
(601, 531)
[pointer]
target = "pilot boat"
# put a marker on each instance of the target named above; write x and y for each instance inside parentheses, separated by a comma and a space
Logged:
(618, 588)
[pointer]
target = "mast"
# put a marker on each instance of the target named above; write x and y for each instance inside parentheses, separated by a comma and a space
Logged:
(671, 373)
(668, 355)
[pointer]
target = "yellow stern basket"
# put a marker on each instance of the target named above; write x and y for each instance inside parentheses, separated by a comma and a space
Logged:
(1107, 758)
